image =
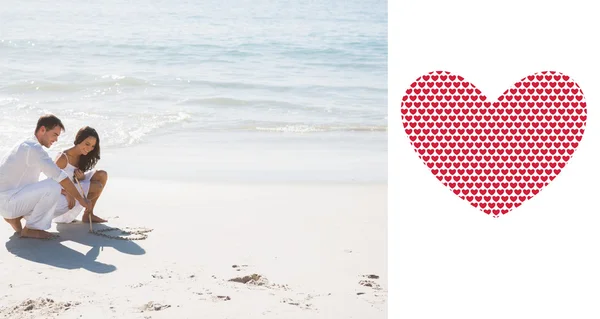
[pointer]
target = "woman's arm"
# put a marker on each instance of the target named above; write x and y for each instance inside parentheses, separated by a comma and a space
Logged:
(61, 162)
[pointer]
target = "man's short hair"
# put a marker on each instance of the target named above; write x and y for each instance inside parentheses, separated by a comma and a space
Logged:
(49, 121)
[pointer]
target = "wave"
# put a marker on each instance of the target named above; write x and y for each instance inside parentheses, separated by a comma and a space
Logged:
(104, 81)
(152, 124)
(8, 100)
(368, 65)
(284, 88)
(300, 128)
(115, 131)
(79, 83)
(224, 101)
(128, 131)
(123, 80)
(340, 53)
(242, 85)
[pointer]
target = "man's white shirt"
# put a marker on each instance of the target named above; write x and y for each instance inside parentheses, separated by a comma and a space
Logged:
(23, 164)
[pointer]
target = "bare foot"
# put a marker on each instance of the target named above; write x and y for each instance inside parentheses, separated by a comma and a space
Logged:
(15, 223)
(36, 233)
(95, 219)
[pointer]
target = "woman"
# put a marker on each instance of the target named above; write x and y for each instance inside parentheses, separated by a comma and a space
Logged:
(79, 162)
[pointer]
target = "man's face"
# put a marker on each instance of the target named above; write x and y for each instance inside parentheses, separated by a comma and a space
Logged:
(48, 137)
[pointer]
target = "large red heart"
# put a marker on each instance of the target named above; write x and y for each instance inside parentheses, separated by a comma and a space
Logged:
(495, 155)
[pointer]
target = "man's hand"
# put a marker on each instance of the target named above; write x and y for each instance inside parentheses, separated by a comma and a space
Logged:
(70, 200)
(79, 175)
(72, 189)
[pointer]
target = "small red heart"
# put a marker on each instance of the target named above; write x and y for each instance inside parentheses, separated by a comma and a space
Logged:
(515, 145)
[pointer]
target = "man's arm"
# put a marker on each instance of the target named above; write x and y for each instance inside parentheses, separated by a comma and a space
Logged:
(70, 188)
(50, 169)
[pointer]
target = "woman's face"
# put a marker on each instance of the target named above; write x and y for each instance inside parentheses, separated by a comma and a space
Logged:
(87, 145)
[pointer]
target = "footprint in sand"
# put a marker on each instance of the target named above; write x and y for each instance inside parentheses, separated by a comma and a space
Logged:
(254, 279)
(153, 306)
(159, 276)
(370, 283)
(380, 295)
(304, 303)
(222, 298)
(208, 295)
(139, 284)
(162, 275)
(300, 304)
(239, 267)
(204, 292)
(169, 274)
(37, 308)
(257, 280)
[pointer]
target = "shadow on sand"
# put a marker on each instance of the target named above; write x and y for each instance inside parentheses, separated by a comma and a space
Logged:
(54, 253)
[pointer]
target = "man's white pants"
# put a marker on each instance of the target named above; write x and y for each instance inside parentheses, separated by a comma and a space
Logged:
(35, 202)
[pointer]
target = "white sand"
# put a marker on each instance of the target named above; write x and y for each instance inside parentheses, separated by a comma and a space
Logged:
(312, 242)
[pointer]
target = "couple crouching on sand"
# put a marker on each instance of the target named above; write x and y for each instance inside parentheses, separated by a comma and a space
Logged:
(24, 196)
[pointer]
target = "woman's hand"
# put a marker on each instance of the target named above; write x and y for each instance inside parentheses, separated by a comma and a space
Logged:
(79, 175)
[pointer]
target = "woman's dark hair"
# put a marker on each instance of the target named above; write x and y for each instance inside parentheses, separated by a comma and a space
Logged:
(87, 162)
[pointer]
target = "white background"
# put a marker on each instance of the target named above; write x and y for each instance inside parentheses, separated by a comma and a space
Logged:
(448, 259)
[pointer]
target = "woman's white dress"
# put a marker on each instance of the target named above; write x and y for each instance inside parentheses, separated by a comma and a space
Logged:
(63, 213)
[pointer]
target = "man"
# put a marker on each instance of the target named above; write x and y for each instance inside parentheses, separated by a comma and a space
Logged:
(22, 195)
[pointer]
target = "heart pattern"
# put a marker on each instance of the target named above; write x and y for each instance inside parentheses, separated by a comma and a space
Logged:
(495, 154)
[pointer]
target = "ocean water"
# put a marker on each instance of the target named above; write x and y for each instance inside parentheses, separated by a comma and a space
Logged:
(251, 76)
